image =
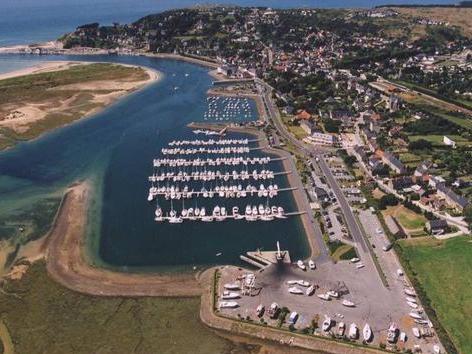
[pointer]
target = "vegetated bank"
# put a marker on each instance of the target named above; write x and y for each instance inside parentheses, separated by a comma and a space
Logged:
(59, 93)
(440, 271)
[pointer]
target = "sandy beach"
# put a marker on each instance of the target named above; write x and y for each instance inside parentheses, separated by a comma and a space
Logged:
(21, 117)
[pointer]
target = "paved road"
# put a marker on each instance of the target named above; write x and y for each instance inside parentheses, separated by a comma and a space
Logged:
(316, 154)
(351, 221)
(274, 116)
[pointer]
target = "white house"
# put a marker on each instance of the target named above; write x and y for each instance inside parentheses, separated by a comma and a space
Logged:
(449, 142)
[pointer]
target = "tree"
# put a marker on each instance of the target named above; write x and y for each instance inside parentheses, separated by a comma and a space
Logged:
(388, 200)
(420, 144)
(468, 214)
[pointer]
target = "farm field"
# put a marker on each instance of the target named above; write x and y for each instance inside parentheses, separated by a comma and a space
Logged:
(442, 269)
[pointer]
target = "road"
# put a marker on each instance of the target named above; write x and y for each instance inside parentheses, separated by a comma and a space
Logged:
(351, 221)
(316, 156)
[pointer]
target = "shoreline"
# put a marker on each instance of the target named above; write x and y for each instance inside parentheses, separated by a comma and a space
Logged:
(26, 122)
(293, 181)
(67, 264)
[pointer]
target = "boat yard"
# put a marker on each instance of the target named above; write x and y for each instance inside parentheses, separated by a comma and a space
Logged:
(335, 296)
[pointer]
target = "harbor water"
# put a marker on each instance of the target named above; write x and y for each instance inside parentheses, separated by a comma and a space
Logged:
(115, 149)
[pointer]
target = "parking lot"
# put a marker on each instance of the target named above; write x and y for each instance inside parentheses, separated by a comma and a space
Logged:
(375, 304)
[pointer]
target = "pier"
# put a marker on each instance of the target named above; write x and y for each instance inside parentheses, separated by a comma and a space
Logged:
(181, 170)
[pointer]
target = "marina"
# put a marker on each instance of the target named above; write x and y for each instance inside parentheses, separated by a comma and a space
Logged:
(184, 174)
(227, 108)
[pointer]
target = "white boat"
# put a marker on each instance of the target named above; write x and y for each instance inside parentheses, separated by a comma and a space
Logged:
(311, 264)
(355, 260)
(359, 266)
(353, 331)
(416, 332)
(324, 297)
(273, 310)
(227, 295)
(295, 290)
(301, 265)
(292, 282)
(326, 324)
(412, 305)
(232, 286)
(411, 299)
(392, 333)
(293, 318)
(409, 292)
(303, 283)
(367, 332)
(403, 337)
(333, 294)
(415, 315)
(260, 310)
(436, 349)
(341, 329)
(158, 214)
(348, 303)
(310, 290)
(228, 304)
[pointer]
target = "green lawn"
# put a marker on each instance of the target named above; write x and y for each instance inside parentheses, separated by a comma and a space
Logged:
(406, 217)
(443, 269)
(44, 317)
(438, 139)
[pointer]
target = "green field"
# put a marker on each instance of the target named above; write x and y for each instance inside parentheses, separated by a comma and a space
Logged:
(43, 317)
(407, 218)
(438, 139)
(443, 271)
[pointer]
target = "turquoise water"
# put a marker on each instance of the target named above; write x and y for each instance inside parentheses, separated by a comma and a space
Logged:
(115, 149)
(27, 21)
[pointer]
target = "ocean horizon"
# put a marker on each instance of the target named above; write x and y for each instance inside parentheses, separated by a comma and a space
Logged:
(28, 21)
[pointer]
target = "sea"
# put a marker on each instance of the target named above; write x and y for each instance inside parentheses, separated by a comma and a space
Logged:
(32, 21)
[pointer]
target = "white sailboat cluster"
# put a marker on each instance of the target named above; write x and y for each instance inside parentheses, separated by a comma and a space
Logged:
(182, 179)
(209, 142)
(208, 175)
(222, 191)
(220, 161)
(226, 108)
(204, 150)
(220, 213)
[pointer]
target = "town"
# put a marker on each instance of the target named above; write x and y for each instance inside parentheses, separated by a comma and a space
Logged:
(375, 107)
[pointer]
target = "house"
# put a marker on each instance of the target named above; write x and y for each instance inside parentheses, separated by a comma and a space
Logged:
(307, 126)
(360, 153)
(437, 227)
(449, 142)
(394, 227)
(422, 169)
(374, 162)
(401, 183)
(227, 70)
(393, 103)
(321, 138)
(392, 162)
(303, 115)
(454, 200)
(321, 194)
(460, 183)
(435, 181)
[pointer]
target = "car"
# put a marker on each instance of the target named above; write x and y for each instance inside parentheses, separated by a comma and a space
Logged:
(387, 247)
